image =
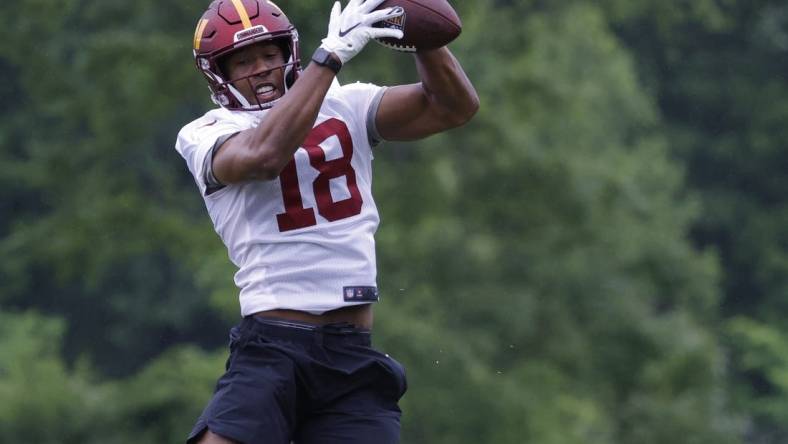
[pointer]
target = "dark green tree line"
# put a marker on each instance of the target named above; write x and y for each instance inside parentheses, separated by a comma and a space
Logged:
(571, 267)
(720, 77)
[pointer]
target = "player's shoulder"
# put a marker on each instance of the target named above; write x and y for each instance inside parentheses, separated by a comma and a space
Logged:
(351, 97)
(207, 120)
(215, 121)
(349, 90)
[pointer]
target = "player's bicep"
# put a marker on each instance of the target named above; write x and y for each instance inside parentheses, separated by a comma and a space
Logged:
(406, 113)
(232, 160)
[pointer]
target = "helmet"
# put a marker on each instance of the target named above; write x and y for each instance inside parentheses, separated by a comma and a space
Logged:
(228, 25)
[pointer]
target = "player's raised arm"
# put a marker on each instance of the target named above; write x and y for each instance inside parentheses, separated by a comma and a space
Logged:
(445, 98)
(262, 152)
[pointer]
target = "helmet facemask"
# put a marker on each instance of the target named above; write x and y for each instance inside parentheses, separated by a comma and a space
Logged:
(226, 85)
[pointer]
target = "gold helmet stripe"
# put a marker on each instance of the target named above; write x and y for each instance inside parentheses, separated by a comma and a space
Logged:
(198, 33)
(242, 13)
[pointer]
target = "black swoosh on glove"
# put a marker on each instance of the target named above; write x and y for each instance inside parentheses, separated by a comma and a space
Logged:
(345, 32)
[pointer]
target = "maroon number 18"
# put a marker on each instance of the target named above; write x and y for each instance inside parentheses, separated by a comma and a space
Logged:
(295, 215)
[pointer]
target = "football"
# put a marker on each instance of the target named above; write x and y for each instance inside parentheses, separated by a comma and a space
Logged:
(427, 24)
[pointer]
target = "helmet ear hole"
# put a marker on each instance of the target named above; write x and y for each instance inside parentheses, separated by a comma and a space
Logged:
(221, 64)
(284, 46)
(290, 76)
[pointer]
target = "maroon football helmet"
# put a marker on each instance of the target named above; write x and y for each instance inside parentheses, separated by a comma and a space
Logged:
(228, 25)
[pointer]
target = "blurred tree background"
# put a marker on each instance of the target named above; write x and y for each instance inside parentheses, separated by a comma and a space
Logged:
(600, 256)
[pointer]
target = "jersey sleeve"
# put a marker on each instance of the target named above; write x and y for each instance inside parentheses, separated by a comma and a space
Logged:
(364, 100)
(196, 144)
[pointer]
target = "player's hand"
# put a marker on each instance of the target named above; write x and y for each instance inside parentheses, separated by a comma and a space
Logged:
(350, 29)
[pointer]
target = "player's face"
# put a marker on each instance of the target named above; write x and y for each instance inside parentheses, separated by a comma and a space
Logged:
(264, 60)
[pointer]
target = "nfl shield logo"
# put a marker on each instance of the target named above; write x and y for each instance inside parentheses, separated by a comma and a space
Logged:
(360, 294)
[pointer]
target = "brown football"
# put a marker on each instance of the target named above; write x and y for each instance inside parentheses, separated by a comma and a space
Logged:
(427, 24)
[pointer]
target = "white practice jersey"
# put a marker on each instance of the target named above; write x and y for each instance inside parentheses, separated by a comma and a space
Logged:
(305, 240)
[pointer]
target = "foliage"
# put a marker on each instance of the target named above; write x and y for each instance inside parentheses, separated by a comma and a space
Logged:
(598, 257)
(558, 253)
(720, 75)
(763, 359)
(43, 401)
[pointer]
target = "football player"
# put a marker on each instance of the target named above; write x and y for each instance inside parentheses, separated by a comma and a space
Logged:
(284, 167)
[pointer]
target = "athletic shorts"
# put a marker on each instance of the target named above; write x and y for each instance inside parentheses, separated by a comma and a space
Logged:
(294, 382)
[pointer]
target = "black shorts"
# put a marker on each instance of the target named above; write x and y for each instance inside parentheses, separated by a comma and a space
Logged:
(289, 381)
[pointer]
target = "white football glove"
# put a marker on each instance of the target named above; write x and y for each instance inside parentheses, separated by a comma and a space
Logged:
(351, 29)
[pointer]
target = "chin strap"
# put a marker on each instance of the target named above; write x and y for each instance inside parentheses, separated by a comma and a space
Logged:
(238, 96)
